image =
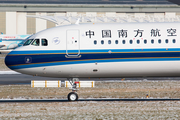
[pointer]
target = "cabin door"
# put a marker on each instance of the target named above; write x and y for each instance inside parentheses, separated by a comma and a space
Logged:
(72, 43)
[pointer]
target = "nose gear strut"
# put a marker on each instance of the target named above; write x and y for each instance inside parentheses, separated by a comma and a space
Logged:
(73, 96)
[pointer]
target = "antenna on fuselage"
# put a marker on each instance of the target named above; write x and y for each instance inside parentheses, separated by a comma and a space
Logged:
(77, 22)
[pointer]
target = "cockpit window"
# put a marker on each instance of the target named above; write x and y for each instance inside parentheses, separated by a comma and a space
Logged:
(44, 42)
(35, 42)
(28, 42)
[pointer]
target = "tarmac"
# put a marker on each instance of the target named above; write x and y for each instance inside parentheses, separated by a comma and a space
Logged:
(6, 79)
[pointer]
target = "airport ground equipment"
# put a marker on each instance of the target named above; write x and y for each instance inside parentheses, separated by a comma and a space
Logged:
(72, 84)
(45, 83)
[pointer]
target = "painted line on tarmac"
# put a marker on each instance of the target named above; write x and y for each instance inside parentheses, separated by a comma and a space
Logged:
(65, 100)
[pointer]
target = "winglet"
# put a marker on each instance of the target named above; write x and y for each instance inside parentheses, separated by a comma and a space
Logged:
(77, 22)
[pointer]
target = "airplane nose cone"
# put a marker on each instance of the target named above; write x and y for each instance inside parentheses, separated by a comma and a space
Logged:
(11, 60)
(16, 61)
(8, 61)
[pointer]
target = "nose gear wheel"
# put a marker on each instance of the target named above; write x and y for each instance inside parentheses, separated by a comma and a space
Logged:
(72, 96)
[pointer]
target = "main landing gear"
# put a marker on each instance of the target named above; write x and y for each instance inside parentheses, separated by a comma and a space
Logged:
(73, 96)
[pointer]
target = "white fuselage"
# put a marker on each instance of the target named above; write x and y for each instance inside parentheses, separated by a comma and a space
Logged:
(101, 50)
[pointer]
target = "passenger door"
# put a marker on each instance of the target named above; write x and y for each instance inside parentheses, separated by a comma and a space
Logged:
(72, 43)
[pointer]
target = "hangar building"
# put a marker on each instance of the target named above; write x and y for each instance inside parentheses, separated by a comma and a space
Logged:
(14, 20)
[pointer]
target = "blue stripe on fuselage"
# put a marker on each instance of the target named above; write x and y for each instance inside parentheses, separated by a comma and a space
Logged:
(93, 51)
(17, 59)
(91, 61)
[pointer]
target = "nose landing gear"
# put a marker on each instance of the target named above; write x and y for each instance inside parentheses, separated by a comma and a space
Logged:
(73, 96)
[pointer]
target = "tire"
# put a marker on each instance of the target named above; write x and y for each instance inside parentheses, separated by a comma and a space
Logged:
(72, 96)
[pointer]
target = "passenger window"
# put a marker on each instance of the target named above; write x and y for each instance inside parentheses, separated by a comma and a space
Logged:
(159, 41)
(109, 41)
(123, 42)
(138, 41)
(44, 42)
(116, 42)
(145, 41)
(174, 41)
(35, 42)
(95, 42)
(130, 41)
(102, 42)
(152, 41)
(166, 40)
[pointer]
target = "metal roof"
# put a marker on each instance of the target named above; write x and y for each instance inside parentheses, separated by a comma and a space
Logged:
(86, 1)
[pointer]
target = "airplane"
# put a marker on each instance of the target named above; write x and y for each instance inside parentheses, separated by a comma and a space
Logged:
(104, 50)
(9, 42)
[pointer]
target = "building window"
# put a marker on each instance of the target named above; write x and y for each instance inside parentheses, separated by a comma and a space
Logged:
(159, 41)
(31, 23)
(152, 41)
(102, 42)
(166, 40)
(130, 41)
(3, 22)
(95, 42)
(174, 41)
(109, 41)
(50, 24)
(123, 42)
(138, 41)
(116, 42)
(145, 41)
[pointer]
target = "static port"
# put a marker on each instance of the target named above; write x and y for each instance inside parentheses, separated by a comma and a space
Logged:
(95, 70)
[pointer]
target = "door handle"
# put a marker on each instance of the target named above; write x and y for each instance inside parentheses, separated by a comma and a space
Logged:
(72, 56)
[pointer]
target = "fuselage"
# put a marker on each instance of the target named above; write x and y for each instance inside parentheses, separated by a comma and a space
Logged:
(101, 50)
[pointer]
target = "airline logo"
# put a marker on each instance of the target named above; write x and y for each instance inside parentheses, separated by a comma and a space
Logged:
(28, 59)
(137, 33)
(56, 40)
(90, 33)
